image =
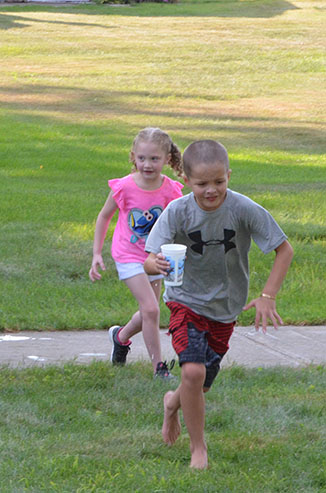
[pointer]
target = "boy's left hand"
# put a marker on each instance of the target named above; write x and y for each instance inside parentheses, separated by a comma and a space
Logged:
(265, 310)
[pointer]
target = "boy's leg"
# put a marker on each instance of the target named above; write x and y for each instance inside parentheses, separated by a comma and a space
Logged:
(147, 318)
(190, 397)
(171, 428)
(193, 408)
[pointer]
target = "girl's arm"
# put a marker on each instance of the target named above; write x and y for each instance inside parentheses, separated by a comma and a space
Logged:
(102, 224)
(266, 306)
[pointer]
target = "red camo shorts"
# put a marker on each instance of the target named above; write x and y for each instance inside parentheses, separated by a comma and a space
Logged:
(197, 339)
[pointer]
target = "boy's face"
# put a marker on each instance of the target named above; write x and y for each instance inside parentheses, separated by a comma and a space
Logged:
(209, 184)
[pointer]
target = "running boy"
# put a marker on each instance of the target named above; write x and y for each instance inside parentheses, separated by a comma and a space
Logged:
(217, 225)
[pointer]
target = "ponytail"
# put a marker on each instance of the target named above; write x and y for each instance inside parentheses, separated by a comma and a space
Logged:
(175, 160)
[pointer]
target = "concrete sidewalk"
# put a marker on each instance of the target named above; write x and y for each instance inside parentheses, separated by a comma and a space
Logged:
(288, 346)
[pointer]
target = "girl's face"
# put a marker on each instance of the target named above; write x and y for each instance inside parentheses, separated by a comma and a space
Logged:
(149, 159)
(209, 183)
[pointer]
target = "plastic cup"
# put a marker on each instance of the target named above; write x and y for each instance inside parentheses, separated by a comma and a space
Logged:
(176, 255)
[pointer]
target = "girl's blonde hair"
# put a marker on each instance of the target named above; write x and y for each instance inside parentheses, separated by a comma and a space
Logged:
(156, 135)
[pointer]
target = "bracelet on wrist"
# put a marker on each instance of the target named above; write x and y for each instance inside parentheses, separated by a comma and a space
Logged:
(268, 296)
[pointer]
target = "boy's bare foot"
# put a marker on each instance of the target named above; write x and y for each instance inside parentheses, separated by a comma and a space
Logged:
(199, 459)
(171, 428)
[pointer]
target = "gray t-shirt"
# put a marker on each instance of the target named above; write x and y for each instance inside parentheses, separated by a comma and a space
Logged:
(216, 274)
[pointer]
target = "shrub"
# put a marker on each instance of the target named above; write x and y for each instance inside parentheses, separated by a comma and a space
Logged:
(123, 2)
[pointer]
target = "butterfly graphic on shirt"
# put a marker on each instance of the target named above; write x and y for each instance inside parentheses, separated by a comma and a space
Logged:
(141, 222)
(199, 244)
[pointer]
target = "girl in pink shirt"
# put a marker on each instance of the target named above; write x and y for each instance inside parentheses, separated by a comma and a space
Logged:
(140, 197)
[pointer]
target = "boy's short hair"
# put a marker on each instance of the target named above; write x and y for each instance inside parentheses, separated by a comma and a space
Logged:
(204, 152)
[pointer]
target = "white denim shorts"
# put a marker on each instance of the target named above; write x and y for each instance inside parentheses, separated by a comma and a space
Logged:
(131, 269)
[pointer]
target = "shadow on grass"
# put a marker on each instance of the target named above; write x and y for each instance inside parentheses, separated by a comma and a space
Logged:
(19, 21)
(284, 134)
(232, 8)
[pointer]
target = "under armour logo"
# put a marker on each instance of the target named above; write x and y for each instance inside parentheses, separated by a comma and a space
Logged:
(199, 245)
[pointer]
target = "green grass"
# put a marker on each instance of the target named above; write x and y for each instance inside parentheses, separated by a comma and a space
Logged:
(97, 428)
(76, 85)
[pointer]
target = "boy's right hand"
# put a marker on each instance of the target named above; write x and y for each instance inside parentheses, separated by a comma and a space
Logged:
(97, 262)
(162, 265)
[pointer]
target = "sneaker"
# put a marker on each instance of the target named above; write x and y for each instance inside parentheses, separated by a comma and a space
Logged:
(119, 351)
(163, 372)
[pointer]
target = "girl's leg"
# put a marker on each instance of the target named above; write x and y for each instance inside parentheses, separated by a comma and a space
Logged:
(147, 318)
(135, 323)
(131, 328)
(193, 407)
(156, 286)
